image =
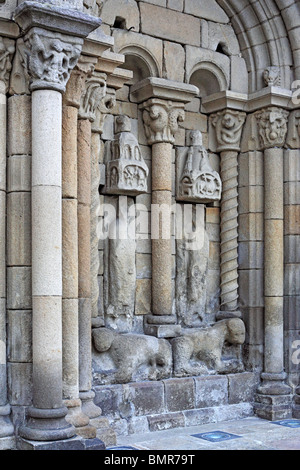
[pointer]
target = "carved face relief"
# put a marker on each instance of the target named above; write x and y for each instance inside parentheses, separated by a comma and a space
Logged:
(271, 76)
(272, 125)
(228, 125)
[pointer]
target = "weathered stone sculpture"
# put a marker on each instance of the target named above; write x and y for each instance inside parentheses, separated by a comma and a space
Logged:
(199, 352)
(130, 357)
(198, 182)
(126, 172)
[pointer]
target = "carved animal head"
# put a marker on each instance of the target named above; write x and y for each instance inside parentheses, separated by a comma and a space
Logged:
(236, 331)
(102, 339)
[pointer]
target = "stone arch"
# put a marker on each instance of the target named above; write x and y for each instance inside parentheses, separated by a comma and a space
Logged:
(141, 62)
(209, 78)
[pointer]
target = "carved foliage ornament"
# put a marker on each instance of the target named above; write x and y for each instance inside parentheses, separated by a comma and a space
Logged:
(272, 126)
(49, 59)
(229, 126)
(161, 120)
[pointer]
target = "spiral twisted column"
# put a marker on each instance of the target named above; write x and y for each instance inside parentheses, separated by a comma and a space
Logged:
(228, 125)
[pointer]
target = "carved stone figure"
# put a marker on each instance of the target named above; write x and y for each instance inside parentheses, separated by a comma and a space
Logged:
(199, 352)
(191, 273)
(126, 172)
(272, 126)
(271, 76)
(161, 120)
(198, 182)
(123, 358)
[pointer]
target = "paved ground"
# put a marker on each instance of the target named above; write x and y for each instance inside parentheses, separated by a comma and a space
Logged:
(253, 434)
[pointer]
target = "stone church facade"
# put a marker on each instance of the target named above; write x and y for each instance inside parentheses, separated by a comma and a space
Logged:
(150, 217)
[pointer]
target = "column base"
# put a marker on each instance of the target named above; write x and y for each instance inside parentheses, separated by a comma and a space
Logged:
(88, 406)
(162, 326)
(47, 425)
(79, 420)
(6, 426)
(273, 400)
(76, 443)
(296, 404)
(224, 315)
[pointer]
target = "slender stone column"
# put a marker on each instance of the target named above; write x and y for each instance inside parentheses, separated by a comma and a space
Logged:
(6, 427)
(228, 125)
(50, 57)
(70, 322)
(94, 92)
(273, 400)
(161, 120)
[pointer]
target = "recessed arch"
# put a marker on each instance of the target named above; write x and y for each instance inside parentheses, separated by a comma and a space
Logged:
(140, 61)
(209, 78)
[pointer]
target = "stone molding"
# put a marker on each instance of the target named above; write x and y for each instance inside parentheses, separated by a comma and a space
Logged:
(228, 125)
(272, 126)
(161, 120)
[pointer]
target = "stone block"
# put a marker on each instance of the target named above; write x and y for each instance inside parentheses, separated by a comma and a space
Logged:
(242, 387)
(254, 321)
(292, 220)
(291, 312)
(251, 199)
(212, 215)
(69, 249)
(291, 279)
(19, 288)
(214, 255)
(166, 421)
(138, 425)
(251, 227)
(208, 9)
(19, 125)
(184, 29)
(212, 291)
(19, 229)
(108, 128)
(147, 398)
(161, 3)
(224, 34)
(108, 398)
(174, 60)
(195, 121)
(127, 10)
(179, 394)
(210, 391)
(143, 297)
(20, 383)
(123, 93)
(19, 335)
(292, 193)
(19, 173)
(199, 416)
(175, 4)
(292, 165)
(143, 266)
(251, 255)
(251, 171)
(251, 287)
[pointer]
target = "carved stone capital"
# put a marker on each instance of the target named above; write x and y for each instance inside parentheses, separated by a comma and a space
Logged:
(161, 120)
(95, 91)
(7, 49)
(49, 58)
(76, 85)
(107, 102)
(228, 125)
(272, 126)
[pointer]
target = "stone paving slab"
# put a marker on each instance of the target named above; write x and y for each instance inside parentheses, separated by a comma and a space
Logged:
(255, 434)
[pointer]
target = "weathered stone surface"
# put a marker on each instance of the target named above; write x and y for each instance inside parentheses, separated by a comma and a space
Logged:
(166, 421)
(20, 335)
(208, 9)
(127, 10)
(179, 394)
(19, 288)
(19, 125)
(143, 297)
(185, 28)
(174, 58)
(147, 398)
(242, 387)
(19, 229)
(20, 383)
(19, 173)
(210, 391)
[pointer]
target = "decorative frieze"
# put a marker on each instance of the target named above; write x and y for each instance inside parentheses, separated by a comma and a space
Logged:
(161, 120)
(126, 171)
(272, 126)
(196, 181)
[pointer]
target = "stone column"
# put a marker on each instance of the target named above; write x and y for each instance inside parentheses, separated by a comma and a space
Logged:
(273, 400)
(6, 427)
(228, 126)
(70, 322)
(161, 122)
(162, 103)
(95, 89)
(49, 59)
